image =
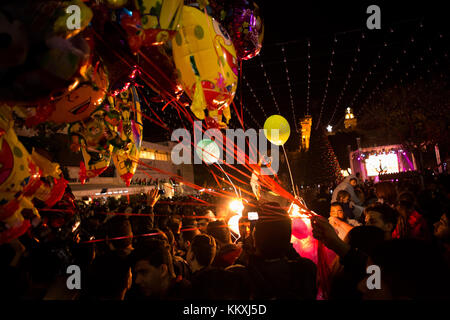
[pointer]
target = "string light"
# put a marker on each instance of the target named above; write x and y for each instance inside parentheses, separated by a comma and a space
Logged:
(289, 86)
(254, 96)
(344, 88)
(330, 71)
(391, 69)
(251, 116)
(309, 76)
(268, 84)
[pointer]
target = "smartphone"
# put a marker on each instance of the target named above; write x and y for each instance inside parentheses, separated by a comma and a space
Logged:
(253, 216)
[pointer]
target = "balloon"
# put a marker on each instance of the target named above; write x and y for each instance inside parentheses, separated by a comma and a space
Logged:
(115, 4)
(160, 19)
(61, 24)
(37, 62)
(208, 151)
(206, 62)
(246, 27)
(96, 137)
(281, 126)
(23, 177)
(80, 103)
(299, 228)
(131, 129)
(154, 22)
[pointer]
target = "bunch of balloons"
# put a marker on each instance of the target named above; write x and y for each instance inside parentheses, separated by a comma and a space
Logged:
(24, 177)
(71, 64)
(114, 131)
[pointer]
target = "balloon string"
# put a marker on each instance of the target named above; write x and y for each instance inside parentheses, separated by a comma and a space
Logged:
(237, 195)
(289, 168)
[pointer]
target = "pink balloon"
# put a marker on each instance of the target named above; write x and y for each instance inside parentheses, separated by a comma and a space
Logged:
(299, 228)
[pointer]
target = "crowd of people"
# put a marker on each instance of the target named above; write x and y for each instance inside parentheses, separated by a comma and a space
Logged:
(152, 248)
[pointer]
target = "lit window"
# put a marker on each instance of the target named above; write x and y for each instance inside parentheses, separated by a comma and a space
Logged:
(150, 155)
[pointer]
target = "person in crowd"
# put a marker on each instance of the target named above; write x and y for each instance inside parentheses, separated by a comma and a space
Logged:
(201, 252)
(382, 216)
(154, 274)
(410, 269)
(202, 223)
(386, 192)
(209, 282)
(181, 267)
(141, 224)
(120, 236)
(344, 278)
(441, 232)
(109, 278)
(187, 233)
(410, 223)
(339, 221)
(273, 274)
(227, 252)
(343, 197)
(348, 185)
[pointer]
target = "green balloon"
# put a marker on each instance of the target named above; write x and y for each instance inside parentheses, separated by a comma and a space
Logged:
(208, 151)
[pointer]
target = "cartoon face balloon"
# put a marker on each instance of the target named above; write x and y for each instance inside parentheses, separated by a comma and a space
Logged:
(207, 64)
(81, 102)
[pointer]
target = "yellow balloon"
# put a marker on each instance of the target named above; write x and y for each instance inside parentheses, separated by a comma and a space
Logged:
(126, 161)
(61, 26)
(207, 64)
(281, 127)
(115, 4)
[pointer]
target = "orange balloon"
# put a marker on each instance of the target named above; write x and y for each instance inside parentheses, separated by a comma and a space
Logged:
(79, 103)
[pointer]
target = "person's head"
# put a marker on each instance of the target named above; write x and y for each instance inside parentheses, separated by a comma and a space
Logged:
(109, 278)
(175, 225)
(337, 211)
(201, 252)
(408, 269)
(272, 233)
(382, 216)
(203, 221)
(153, 267)
(365, 238)
(187, 234)
(220, 231)
(343, 196)
(441, 229)
(353, 182)
(119, 227)
(170, 238)
(386, 193)
(406, 202)
(360, 194)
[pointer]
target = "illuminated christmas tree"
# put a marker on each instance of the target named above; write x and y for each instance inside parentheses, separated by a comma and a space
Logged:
(322, 162)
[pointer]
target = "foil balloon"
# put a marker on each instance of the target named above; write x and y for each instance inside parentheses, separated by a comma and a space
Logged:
(37, 62)
(115, 4)
(153, 23)
(130, 130)
(23, 177)
(246, 27)
(160, 19)
(78, 104)
(207, 64)
(277, 129)
(67, 17)
(96, 137)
